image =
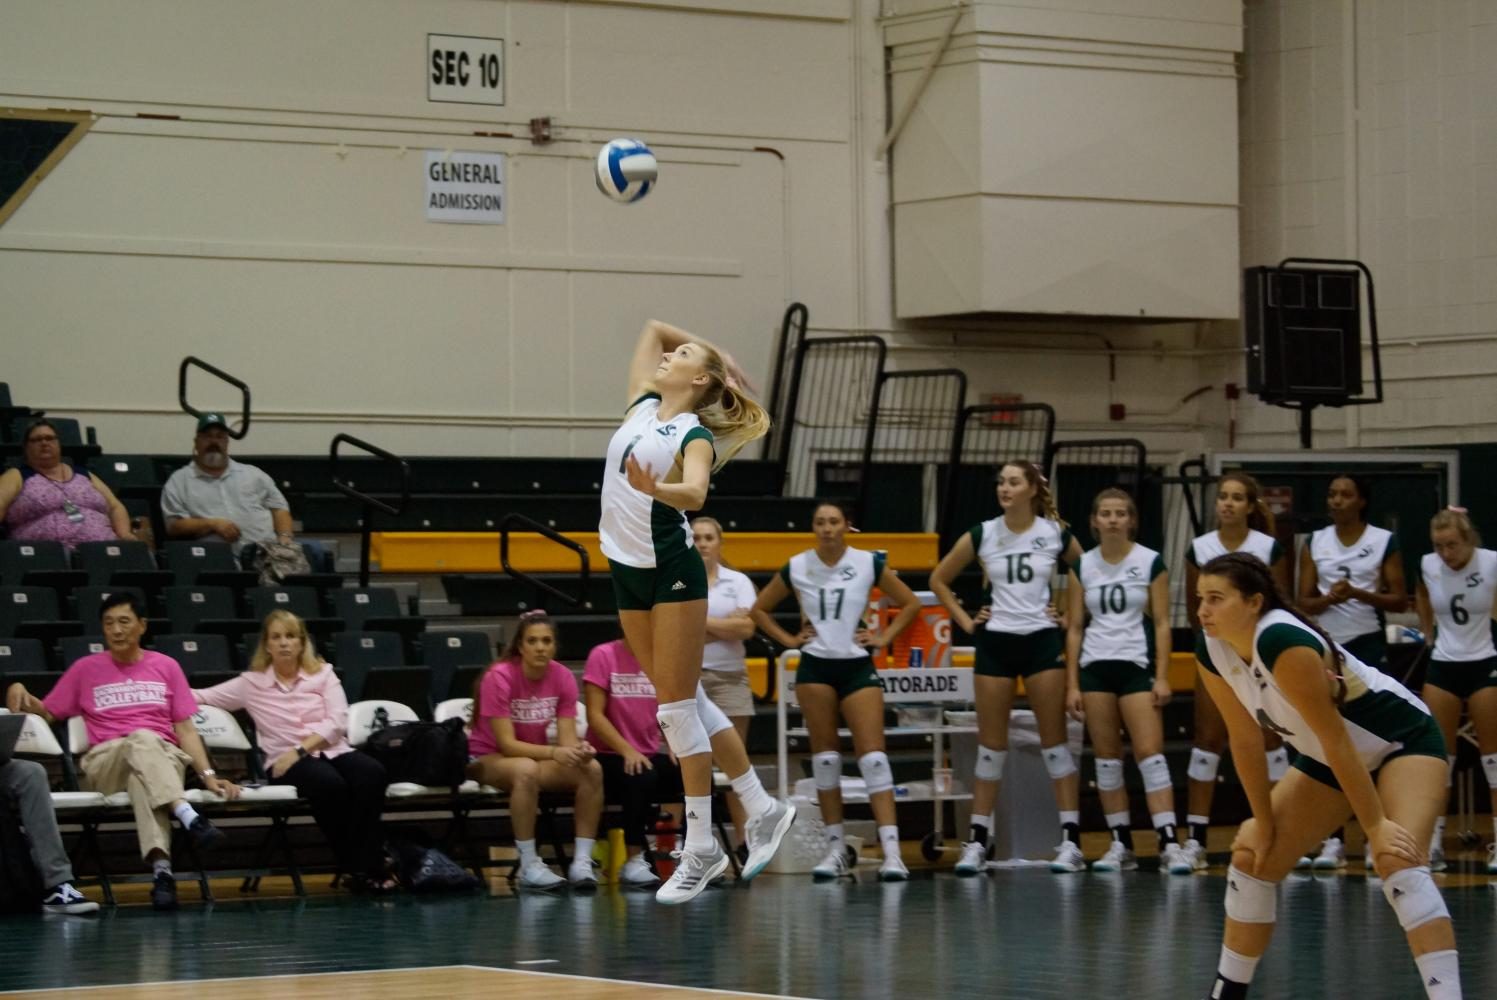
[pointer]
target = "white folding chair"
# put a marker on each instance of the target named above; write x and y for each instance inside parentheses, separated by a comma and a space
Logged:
(221, 731)
(38, 740)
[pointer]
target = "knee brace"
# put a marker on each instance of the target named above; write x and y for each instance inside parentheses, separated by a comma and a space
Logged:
(1156, 772)
(1058, 761)
(713, 718)
(1489, 765)
(1278, 763)
(1414, 898)
(1109, 774)
(1250, 900)
(874, 767)
(1203, 764)
(826, 767)
(990, 764)
(683, 729)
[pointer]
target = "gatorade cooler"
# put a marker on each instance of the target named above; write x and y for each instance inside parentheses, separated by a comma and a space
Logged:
(930, 632)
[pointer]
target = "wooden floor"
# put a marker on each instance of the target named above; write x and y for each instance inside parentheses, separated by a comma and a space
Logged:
(453, 982)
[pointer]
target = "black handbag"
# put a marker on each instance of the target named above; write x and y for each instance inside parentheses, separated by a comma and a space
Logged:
(427, 753)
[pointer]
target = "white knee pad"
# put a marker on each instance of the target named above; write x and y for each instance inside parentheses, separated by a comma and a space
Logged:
(1203, 764)
(1489, 765)
(990, 764)
(1109, 774)
(1413, 895)
(874, 767)
(1250, 900)
(683, 729)
(1058, 761)
(1156, 772)
(826, 767)
(713, 719)
(1278, 763)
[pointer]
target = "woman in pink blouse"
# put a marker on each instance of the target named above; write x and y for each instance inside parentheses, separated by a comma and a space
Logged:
(301, 721)
(513, 703)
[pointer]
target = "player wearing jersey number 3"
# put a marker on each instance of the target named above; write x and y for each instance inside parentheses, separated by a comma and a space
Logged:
(832, 583)
(1016, 636)
(1365, 747)
(688, 413)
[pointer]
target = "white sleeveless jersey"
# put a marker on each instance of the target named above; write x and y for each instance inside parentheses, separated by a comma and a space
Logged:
(834, 599)
(1207, 547)
(1376, 710)
(1019, 569)
(1361, 563)
(636, 529)
(1119, 626)
(733, 592)
(1462, 602)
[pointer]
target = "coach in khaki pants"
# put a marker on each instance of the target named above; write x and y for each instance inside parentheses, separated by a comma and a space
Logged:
(138, 709)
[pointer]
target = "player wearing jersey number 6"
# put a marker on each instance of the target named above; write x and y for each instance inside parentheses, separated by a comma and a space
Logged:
(1457, 583)
(688, 414)
(1117, 670)
(832, 583)
(1016, 636)
(1365, 747)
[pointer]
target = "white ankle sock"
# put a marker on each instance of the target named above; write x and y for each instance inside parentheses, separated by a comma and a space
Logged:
(699, 824)
(750, 791)
(527, 851)
(833, 835)
(185, 814)
(888, 836)
(1237, 968)
(1440, 971)
(161, 865)
(584, 849)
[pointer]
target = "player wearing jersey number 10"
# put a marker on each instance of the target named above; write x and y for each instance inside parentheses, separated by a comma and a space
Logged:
(832, 583)
(1016, 636)
(1457, 584)
(1117, 668)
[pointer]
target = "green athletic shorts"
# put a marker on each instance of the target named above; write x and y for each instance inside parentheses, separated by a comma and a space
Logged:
(680, 577)
(1390, 717)
(1371, 649)
(1462, 679)
(845, 676)
(1117, 677)
(1000, 654)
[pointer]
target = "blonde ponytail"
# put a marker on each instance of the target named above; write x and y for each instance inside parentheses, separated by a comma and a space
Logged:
(733, 416)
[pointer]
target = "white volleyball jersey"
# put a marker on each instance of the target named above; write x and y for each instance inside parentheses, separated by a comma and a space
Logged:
(1462, 602)
(1360, 563)
(1207, 547)
(636, 529)
(1377, 708)
(834, 599)
(1119, 626)
(1019, 568)
(733, 592)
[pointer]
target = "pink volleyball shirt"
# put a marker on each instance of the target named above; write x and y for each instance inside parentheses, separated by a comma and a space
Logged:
(116, 699)
(631, 697)
(286, 713)
(506, 693)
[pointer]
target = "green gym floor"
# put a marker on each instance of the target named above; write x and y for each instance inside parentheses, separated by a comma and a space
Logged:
(1018, 933)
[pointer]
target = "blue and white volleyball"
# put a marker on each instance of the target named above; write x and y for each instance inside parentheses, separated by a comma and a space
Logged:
(626, 170)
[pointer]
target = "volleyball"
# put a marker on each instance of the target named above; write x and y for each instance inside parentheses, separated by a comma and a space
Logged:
(626, 170)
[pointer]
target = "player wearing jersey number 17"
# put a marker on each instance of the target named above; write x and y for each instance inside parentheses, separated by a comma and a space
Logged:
(1366, 747)
(688, 413)
(832, 582)
(1117, 671)
(1016, 636)
(1457, 584)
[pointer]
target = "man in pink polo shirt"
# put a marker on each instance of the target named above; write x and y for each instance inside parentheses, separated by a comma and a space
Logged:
(138, 710)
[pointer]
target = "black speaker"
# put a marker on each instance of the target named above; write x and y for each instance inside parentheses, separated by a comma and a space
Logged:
(1304, 333)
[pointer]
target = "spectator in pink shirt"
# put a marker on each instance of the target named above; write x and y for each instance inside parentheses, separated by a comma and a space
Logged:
(621, 725)
(138, 710)
(513, 703)
(301, 723)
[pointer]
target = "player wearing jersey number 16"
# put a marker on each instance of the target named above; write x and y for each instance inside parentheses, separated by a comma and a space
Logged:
(832, 582)
(1117, 671)
(1457, 584)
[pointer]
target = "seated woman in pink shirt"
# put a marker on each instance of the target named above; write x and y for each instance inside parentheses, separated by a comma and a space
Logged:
(621, 725)
(513, 703)
(301, 723)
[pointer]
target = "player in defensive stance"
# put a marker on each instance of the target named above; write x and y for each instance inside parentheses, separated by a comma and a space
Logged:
(832, 583)
(687, 415)
(1243, 524)
(1117, 670)
(1365, 747)
(1019, 551)
(1350, 572)
(1457, 583)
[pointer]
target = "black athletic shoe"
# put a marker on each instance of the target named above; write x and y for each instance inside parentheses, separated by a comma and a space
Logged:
(164, 892)
(205, 835)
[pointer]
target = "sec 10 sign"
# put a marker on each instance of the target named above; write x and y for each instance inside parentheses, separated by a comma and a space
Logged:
(461, 69)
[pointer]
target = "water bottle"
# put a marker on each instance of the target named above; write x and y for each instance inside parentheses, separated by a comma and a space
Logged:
(917, 658)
